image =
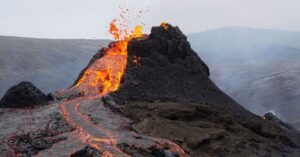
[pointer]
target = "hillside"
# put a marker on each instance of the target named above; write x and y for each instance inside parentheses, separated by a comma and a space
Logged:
(258, 68)
(50, 64)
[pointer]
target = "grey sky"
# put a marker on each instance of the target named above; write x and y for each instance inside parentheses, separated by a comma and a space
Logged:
(89, 18)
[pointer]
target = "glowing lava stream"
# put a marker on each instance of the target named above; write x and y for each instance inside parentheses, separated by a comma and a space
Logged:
(89, 133)
(100, 78)
(105, 137)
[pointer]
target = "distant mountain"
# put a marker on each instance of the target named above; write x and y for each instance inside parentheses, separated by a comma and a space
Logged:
(48, 63)
(258, 68)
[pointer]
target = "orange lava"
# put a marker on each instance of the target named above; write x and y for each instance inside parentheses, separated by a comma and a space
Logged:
(105, 75)
(164, 25)
(85, 136)
(102, 77)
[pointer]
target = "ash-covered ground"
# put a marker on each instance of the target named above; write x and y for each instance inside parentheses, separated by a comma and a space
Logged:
(166, 96)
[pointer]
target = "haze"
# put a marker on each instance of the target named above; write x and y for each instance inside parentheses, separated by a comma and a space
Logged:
(89, 19)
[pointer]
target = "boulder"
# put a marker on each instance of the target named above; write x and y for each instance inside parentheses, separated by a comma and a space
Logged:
(23, 95)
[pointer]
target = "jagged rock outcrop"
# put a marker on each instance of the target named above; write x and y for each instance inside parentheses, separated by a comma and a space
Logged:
(23, 95)
(167, 70)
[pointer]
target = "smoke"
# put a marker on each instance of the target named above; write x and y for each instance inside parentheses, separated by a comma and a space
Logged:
(258, 68)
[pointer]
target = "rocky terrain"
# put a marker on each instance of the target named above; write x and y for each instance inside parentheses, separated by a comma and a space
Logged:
(166, 106)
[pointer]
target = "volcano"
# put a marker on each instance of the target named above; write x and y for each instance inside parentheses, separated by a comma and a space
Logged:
(147, 95)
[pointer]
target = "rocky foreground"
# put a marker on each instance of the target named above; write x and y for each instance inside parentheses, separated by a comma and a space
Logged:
(166, 96)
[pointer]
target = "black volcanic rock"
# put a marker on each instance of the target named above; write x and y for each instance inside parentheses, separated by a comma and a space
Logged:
(23, 95)
(86, 152)
(169, 70)
(130, 150)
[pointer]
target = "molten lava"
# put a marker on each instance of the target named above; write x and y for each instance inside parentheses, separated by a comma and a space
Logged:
(164, 25)
(105, 75)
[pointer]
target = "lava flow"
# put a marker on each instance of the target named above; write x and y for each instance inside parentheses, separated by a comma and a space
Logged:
(100, 78)
(105, 75)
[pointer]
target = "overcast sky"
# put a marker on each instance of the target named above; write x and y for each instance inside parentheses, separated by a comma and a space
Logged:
(89, 18)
